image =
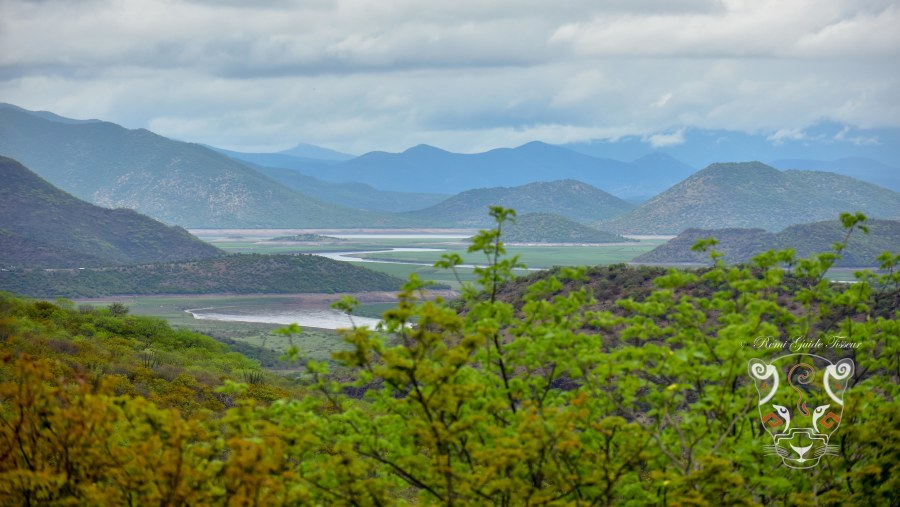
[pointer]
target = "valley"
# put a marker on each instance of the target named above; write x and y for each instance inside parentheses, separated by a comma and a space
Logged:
(401, 252)
(280, 302)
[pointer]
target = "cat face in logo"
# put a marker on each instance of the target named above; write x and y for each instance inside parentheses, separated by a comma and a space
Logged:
(801, 402)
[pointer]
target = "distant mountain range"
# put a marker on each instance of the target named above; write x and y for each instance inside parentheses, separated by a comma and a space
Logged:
(569, 198)
(309, 186)
(861, 168)
(548, 228)
(352, 195)
(747, 195)
(42, 226)
(740, 245)
(428, 169)
(311, 151)
(702, 147)
(176, 182)
(631, 168)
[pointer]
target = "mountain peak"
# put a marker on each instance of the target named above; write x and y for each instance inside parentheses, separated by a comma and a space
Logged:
(423, 149)
(305, 150)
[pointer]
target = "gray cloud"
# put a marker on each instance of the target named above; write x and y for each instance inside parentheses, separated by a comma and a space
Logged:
(358, 75)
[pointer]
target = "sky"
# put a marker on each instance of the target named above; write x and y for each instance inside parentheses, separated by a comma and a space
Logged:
(462, 75)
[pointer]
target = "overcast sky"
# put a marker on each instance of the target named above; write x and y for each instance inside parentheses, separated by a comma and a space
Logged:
(463, 75)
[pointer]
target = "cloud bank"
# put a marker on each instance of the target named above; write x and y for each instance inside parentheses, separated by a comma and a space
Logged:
(359, 75)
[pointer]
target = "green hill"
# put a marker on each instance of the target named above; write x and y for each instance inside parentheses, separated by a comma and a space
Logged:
(739, 245)
(42, 226)
(233, 274)
(175, 182)
(548, 228)
(754, 195)
(569, 198)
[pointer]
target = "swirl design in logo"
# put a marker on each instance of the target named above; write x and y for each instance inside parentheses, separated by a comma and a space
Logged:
(804, 377)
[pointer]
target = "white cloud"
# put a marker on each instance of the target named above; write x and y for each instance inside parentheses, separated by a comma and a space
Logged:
(778, 138)
(663, 140)
(358, 75)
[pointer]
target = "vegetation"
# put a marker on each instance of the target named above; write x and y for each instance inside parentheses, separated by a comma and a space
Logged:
(754, 195)
(42, 226)
(547, 228)
(236, 274)
(740, 245)
(568, 198)
(172, 181)
(549, 401)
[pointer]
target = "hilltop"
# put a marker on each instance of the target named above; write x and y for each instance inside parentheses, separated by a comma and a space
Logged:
(548, 228)
(754, 195)
(172, 181)
(233, 274)
(740, 245)
(569, 198)
(42, 226)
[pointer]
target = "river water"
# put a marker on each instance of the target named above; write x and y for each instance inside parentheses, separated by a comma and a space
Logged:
(322, 318)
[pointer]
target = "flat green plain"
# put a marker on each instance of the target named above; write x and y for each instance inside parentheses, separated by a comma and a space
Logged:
(318, 344)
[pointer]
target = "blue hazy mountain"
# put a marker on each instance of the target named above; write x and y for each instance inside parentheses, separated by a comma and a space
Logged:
(425, 168)
(353, 195)
(700, 147)
(302, 164)
(172, 181)
(311, 151)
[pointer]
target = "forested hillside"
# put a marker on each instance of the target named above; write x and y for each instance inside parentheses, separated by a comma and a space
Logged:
(233, 274)
(42, 226)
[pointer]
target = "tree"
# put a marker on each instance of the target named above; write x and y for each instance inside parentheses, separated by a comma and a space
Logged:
(544, 400)
(552, 402)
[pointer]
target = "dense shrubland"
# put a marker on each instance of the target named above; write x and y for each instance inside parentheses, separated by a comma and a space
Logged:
(554, 400)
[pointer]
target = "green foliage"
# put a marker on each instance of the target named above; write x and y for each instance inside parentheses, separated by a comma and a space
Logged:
(537, 395)
(117, 309)
(552, 401)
